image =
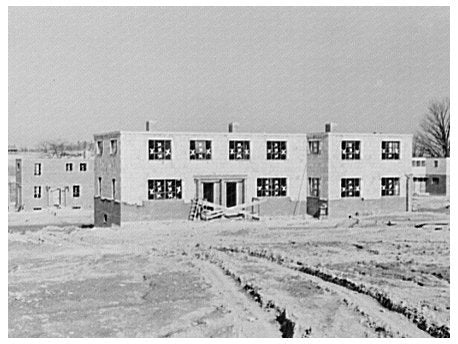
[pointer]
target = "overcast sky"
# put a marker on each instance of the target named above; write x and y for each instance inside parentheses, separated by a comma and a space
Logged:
(74, 72)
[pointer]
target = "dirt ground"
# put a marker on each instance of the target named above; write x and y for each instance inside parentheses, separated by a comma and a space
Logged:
(294, 277)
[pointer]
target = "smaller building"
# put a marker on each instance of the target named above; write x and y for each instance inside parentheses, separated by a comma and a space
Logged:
(438, 176)
(54, 182)
(419, 175)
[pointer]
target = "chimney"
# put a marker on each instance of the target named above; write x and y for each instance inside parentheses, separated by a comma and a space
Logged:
(150, 125)
(328, 127)
(233, 127)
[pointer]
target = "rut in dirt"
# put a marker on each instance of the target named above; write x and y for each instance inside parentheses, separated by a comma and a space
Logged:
(413, 314)
(288, 326)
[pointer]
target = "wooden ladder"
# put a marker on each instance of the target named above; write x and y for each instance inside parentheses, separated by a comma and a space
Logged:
(195, 209)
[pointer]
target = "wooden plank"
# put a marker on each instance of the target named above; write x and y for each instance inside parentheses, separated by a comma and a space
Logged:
(236, 208)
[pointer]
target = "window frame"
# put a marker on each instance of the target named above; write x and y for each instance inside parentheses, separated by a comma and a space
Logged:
(315, 150)
(347, 150)
(113, 188)
(113, 148)
(37, 172)
(85, 166)
(395, 191)
(245, 146)
(207, 155)
(283, 146)
(99, 147)
(389, 150)
(177, 192)
(344, 185)
(67, 165)
(154, 144)
(37, 195)
(99, 186)
(314, 187)
(76, 191)
(264, 181)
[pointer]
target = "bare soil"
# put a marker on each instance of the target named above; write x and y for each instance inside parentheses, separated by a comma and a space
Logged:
(368, 277)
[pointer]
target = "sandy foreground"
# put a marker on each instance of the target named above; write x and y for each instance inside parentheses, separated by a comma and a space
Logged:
(368, 277)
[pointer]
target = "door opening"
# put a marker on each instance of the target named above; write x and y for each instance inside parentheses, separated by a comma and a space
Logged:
(208, 192)
(231, 194)
(56, 198)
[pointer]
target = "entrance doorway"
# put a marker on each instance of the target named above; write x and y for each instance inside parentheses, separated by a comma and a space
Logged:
(231, 194)
(225, 191)
(419, 185)
(209, 192)
(56, 197)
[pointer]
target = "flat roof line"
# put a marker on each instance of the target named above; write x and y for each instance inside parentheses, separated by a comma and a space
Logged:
(203, 133)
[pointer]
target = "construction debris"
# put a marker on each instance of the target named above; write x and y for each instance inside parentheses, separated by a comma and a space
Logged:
(207, 211)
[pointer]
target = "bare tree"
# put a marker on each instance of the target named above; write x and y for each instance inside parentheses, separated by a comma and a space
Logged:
(59, 148)
(53, 148)
(433, 137)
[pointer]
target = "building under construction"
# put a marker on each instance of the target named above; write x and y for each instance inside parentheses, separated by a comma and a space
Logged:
(163, 175)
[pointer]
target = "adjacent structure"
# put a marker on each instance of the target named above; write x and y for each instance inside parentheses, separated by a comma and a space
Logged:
(419, 176)
(431, 176)
(155, 175)
(54, 182)
(352, 174)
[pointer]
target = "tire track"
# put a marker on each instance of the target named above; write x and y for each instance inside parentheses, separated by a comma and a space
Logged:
(411, 313)
(287, 325)
(325, 312)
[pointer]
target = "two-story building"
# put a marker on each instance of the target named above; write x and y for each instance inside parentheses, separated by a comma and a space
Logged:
(352, 174)
(155, 175)
(43, 182)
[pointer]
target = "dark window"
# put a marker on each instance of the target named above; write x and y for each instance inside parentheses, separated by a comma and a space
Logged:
(76, 191)
(83, 167)
(350, 187)
(200, 150)
(37, 192)
(160, 149)
(314, 187)
(435, 181)
(390, 187)
(351, 150)
(37, 170)
(113, 188)
(315, 147)
(271, 187)
(423, 163)
(99, 186)
(276, 150)
(113, 147)
(164, 189)
(99, 147)
(390, 150)
(436, 163)
(69, 167)
(239, 150)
